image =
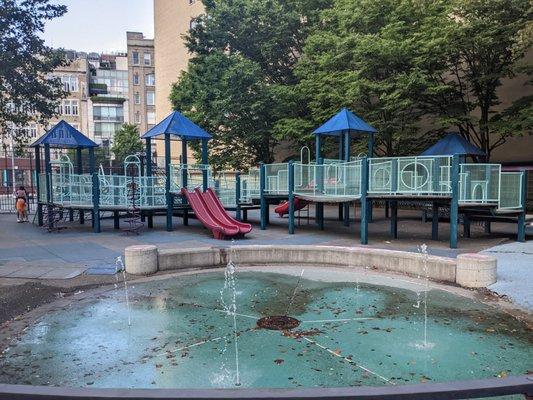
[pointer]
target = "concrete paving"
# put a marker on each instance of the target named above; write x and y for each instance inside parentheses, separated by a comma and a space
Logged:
(515, 272)
(27, 251)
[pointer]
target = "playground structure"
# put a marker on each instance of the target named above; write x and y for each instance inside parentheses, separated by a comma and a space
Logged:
(472, 190)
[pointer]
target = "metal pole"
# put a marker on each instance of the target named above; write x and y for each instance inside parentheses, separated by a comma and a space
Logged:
(184, 179)
(522, 216)
(454, 204)
(13, 161)
(48, 177)
(435, 222)
(96, 192)
(205, 162)
(370, 155)
(79, 161)
(291, 197)
(167, 183)
(346, 159)
(320, 185)
(262, 199)
(150, 181)
(38, 183)
(238, 216)
(364, 201)
(394, 219)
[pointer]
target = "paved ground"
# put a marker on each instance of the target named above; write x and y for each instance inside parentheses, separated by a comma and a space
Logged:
(29, 252)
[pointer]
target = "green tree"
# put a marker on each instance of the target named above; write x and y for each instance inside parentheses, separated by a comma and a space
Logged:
(467, 53)
(27, 91)
(125, 142)
(244, 57)
(364, 56)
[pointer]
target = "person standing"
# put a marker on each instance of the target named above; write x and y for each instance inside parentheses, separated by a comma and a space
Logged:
(22, 204)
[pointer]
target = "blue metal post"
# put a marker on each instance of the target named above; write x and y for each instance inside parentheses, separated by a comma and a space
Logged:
(394, 219)
(262, 199)
(48, 181)
(522, 216)
(238, 215)
(96, 192)
(320, 186)
(37, 182)
(370, 155)
(149, 181)
(341, 155)
(291, 197)
(364, 201)
(79, 162)
(435, 222)
(170, 199)
(205, 161)
(184, 179)
(454, 204)
(347, 158)
(318, 140)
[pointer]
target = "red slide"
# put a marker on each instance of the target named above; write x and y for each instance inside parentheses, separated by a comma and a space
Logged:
(283, 208)
(211, 213)
(217, 209)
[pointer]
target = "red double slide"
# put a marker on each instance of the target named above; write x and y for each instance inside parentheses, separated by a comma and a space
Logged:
(283, 208)
(211, 213)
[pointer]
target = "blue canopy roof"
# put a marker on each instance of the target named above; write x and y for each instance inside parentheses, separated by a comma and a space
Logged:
(451, 144)
(178, 125)
(344, 120)
(64, 135)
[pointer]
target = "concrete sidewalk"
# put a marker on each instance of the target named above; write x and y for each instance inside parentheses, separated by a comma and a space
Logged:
(30, 252)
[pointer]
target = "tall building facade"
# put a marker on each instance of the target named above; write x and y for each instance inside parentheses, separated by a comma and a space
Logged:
(142, 82)
(172, 19)
(109, 97)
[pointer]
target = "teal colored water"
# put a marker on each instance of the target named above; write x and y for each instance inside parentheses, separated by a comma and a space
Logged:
(350, 334)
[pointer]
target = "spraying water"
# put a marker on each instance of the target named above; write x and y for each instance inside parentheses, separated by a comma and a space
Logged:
(423, 249)
(294, 292)
(230, 308)
(119, 267)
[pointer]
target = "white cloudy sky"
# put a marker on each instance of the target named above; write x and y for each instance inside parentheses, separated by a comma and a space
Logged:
(99, 25)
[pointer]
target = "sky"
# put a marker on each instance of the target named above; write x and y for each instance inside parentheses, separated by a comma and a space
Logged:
(99, 25)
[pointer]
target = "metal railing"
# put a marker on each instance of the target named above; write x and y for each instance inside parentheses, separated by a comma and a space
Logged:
(116, 191)
(333, 180)
(277, 178)
(479, 183)
(194, 174)
(414, 176)
(250, 186)
(225, 187)
(510, 191)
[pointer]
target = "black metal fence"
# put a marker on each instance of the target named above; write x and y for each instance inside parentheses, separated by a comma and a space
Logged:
(16, 169)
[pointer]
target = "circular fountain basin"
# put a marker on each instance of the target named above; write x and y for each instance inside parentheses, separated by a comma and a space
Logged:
(355, 328)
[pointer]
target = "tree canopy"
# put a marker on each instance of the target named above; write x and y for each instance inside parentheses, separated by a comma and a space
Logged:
(126, 141)
(244, 54)
(265, 71)
(27, 91)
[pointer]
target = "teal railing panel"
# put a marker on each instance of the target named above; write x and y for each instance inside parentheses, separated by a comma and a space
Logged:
(479, 183)
(250, 186)
(510, 191)
(277, 178)
(415, 176)
(332, 180)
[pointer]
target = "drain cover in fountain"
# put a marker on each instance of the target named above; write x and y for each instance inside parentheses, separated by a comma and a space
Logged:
(278, 323)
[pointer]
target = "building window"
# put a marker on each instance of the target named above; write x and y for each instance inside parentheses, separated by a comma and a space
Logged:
(136, 80)
(108, 113)
(68, 107)
(150, 118)
(149, 80)
(137, 117)
(137, 98)
(150, 98)
(147, 59)
(70, 83)
(135, 58)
